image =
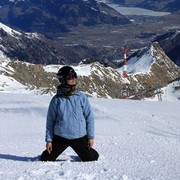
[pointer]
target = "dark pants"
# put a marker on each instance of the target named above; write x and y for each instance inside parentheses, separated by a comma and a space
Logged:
(79, 145)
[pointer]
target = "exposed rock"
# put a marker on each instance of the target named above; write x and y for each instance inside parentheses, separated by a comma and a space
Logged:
(170, 43)
(102, 81)
(162, 71)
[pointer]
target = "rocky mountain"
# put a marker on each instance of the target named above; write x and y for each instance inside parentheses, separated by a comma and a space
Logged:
(64, 21)
(148, 70)
(152, 69)
(84, 30)
(51, 17)
(158, 5)
(39, 49)
(30, 47)
(170, 43)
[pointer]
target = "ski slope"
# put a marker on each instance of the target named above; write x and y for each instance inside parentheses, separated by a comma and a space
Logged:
(136, 140)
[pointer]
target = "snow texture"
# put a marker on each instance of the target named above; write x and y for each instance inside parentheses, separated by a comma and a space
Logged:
(136, 140)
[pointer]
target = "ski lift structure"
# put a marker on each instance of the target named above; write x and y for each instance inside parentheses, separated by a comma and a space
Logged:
(126, 83)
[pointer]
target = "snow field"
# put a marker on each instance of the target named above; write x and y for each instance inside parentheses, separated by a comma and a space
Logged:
(136, 140)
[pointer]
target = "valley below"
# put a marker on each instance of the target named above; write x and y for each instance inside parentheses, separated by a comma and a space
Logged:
(108, 40)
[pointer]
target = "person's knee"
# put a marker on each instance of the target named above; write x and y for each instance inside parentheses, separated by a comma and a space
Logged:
(45, 156)
(92, 155)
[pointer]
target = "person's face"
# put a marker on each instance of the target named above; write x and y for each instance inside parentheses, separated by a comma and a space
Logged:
(71, 79)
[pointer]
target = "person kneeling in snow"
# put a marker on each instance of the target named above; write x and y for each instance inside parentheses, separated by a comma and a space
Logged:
(70, 120)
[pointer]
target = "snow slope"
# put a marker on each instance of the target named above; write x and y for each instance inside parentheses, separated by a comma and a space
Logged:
(10, 31)
(135, 139)
(141, 65)
(169, 92)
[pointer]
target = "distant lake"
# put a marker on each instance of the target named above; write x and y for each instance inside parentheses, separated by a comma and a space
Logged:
(137, 11)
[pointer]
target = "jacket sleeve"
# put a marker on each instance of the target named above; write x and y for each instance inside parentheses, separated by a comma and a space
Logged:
(51, 119)
(89, 117)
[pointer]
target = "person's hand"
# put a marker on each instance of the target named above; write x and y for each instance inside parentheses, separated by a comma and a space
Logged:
(90, 143)
(49, 147)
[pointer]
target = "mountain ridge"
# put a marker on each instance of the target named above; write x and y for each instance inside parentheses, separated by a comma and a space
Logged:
(170, 43)
(37, 48)
(89, 30)
(96, 80)
(57, 16)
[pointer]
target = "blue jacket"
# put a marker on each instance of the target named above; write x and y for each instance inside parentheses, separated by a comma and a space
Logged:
(70, 117)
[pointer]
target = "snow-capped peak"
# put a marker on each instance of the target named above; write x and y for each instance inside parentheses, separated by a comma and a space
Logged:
(9, 30)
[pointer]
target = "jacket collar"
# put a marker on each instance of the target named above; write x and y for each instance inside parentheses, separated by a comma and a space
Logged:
(60, 93)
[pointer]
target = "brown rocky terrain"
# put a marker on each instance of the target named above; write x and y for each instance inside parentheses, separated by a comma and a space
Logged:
(102, 81)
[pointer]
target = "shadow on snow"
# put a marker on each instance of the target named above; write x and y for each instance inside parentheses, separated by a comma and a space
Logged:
(18, 158)
(33, 159)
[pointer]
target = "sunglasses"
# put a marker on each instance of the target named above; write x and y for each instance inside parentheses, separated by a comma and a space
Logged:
(71, 76)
